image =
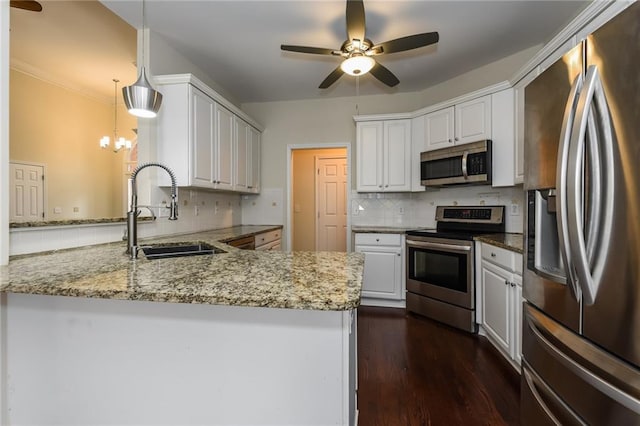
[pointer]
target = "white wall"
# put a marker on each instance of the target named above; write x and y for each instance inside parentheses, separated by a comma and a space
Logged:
(4, 132)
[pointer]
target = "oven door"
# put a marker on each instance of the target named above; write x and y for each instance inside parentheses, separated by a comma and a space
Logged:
(441, 269)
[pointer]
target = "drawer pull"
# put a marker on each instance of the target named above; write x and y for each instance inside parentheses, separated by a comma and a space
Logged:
(493, 255)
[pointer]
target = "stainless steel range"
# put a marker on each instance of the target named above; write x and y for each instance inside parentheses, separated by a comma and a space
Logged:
(440, 264)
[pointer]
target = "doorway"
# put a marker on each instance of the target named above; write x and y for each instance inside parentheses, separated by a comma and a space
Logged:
(318, 198)
(26, 199)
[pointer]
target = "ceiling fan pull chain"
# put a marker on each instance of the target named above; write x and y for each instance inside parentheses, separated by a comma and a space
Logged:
(357, 94)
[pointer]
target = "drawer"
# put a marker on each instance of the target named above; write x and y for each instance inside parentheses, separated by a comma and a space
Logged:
(502, 257)
(267, 237)
(273, 245)
(378, 239)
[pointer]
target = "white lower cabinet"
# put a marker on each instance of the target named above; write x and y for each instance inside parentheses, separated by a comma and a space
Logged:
(501, 300)
(383, 280)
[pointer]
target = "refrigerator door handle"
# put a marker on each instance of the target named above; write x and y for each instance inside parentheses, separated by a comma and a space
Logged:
(589, 261)
(561, 183)
(588, 376)
(537, 385)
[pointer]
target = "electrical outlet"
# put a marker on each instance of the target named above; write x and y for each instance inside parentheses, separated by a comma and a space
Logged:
(515, 210)
(400, 210)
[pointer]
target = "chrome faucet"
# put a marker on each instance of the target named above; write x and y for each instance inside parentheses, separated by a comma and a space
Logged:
(132, 214)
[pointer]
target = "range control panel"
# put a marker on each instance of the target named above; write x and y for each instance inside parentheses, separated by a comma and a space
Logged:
(467, 214)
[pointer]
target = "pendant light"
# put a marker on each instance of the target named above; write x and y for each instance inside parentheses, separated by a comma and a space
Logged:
(119, 142)
(141, 99)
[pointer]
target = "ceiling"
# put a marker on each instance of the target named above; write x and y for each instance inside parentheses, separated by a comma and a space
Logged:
(238, 42)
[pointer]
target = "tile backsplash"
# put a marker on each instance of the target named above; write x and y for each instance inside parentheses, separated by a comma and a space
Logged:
(418, 209)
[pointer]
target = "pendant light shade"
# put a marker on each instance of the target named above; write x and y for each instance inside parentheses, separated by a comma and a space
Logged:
(141, 99)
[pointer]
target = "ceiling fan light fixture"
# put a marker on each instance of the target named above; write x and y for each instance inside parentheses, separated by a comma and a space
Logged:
(357, 65)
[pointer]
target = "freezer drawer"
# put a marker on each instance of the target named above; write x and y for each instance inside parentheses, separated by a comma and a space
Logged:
(573, 378)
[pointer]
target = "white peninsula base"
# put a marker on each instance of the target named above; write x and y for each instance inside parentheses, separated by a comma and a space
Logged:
(81, 361)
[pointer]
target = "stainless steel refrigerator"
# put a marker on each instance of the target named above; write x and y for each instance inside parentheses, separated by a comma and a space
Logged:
(581, 319)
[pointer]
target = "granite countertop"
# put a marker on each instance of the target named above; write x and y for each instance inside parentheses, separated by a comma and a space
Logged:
(297, 280)
(513, 242)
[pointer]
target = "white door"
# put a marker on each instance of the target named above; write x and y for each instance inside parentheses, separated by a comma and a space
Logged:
(27, 192)
(331, 202)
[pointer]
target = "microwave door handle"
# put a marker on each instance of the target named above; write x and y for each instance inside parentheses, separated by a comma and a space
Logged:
(465, 155)
(561, 183)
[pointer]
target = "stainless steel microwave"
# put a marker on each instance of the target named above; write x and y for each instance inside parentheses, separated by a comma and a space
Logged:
(457, 165)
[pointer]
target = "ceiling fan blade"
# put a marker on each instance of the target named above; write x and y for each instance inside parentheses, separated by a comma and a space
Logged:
(331, 78)
(307, 49)
(355, 20)
(30, 5)
(407, 43)
(384, 75)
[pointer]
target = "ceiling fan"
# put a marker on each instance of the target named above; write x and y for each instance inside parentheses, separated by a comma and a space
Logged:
(358, 50)
(30, 5)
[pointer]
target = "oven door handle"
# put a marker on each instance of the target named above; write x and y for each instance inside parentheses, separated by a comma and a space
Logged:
(439, 246)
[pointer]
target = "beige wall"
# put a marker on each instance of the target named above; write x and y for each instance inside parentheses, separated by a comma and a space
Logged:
(60, 128)
(303, 199)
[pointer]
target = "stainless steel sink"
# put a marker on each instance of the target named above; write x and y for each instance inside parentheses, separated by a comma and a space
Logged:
(164, 250)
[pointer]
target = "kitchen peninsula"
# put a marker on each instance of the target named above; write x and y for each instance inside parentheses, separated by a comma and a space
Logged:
(242, 337)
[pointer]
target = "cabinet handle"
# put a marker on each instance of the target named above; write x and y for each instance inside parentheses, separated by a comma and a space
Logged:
(450, 141)
(377, 240)
(457, 139)
(379, 186)
(493, 255)
(386, 186)
(513, 284)
(399, 254)
(506, 282)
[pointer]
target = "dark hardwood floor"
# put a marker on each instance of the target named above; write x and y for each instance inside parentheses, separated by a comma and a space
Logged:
(414, 371)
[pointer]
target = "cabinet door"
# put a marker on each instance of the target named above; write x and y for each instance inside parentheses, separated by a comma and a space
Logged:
(439, 129)
(223, 153)
(496, 305)
(242, 152)
(473, 120)
(253, 168)
(517, 313)
(519, 135)
(503, 137)
(382, 276)
(397, 155)
(202, 127)
(369, 156)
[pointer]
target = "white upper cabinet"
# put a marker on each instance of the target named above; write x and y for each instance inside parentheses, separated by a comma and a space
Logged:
(253, 163)
(223, 149)
(504, 152)
(439, 129)
(384, 156)
(459, 124)
(242, 154)
(204, 143)
(473, 120)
